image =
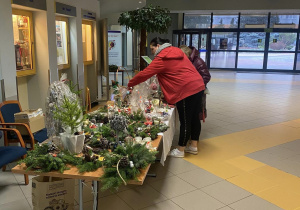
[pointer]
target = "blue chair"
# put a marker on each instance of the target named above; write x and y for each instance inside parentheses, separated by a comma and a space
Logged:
(9, 154)
(7, 119)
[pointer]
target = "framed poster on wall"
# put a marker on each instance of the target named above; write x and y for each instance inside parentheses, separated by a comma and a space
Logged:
(115, 48)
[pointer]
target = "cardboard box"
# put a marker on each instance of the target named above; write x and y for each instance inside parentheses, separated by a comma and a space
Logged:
(33, 118)
(52, 193)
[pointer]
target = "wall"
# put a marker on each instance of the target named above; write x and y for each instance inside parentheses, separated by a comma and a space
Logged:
(33, 89)
(168, 35)
(7, 52)
(22, 92)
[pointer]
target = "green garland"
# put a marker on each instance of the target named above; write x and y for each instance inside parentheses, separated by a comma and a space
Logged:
(41, 160)
(138, 154)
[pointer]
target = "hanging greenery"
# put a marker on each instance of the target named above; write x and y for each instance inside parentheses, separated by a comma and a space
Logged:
(151, 18)
(147, 19)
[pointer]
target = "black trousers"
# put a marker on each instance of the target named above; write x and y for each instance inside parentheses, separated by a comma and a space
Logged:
(190, 124)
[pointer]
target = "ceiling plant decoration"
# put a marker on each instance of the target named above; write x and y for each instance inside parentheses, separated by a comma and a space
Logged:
(147, 19)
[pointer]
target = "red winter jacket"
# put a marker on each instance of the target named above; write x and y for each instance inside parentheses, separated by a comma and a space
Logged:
(176, 75)
(200, 65)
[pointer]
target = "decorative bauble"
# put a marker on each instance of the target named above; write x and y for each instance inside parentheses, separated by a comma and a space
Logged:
(128, 139)
(153, 86)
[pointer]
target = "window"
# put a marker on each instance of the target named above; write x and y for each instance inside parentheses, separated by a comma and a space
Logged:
(195, 40)
(298, 62)
(87, 42)
(254, 21)
(282, 41)
(62, 42)
(222, 59)
(175, 40)
(250, 60)
(284, 21)
(196, 21)
(224, 41)
(252, 41)
(281, 61)
(225, 21)
(23, 42)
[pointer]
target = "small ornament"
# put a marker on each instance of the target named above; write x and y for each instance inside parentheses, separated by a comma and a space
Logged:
(131, 164)
(128, 139)
(124, 162)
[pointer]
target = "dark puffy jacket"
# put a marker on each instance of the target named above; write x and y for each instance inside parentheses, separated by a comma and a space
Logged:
(199, 65)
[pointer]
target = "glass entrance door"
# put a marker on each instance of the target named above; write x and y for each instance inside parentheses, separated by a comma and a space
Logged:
(197, 40)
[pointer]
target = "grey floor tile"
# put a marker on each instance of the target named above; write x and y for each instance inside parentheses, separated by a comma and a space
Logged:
(27, 189)
(206, 135)
(253, 202)
(160, 171)
(265, 157)
(10, 193)
(165, 205)
(29, 200)
(199, 178)
(20, 178)
(112, 202)
(225, 208)
(172, 187)
(226, 192)
(87, 192)
(197, 200)
(178, 165)
(141, 197)
(293, 145)
(7, 178)
(289, 166)
(16, 205)
(281, 151)
(87, 205)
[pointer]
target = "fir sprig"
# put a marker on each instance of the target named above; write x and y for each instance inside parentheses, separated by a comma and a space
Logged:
(70, 114)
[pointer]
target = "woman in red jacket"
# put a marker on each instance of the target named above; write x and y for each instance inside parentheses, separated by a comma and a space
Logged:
(181, 85)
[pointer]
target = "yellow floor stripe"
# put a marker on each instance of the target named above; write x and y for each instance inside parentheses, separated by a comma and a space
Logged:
(225, 157)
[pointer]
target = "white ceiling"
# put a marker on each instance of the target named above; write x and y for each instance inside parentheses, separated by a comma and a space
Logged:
(119, 6)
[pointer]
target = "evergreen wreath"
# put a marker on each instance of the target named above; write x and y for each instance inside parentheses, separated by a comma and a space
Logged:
(114, 176)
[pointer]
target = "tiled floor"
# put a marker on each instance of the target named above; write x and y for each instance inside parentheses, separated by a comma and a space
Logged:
(249, 155)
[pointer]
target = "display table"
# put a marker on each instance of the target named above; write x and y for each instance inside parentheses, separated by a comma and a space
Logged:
(168, 135)
(73, 173)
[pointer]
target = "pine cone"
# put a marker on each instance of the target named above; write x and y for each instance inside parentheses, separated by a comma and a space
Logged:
(97, 150)
(87, 157)
(124, 162)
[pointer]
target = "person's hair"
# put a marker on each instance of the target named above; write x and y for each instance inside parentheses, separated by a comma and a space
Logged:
(186, 50)
(158, 40)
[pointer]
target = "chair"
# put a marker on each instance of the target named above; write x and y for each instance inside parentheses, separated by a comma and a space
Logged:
(7, 111)
(9, 154)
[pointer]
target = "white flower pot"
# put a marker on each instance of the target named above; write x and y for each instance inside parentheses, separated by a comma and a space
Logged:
(73, 143)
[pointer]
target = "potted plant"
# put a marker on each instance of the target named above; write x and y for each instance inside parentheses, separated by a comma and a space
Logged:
(70, 114)
(147, 19)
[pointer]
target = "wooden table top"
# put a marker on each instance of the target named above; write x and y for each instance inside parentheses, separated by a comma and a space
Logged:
(73, 173)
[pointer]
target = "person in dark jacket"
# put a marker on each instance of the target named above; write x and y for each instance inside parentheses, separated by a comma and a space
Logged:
(193, 54)
(181, 85)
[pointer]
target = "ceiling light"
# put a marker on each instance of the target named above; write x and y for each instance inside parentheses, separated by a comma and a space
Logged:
(140, 2)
